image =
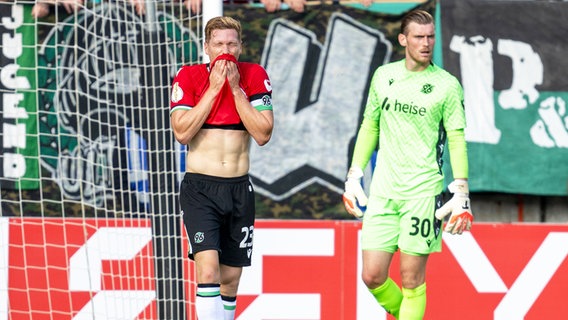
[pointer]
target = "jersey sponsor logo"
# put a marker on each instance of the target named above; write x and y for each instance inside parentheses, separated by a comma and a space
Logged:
(402, 107)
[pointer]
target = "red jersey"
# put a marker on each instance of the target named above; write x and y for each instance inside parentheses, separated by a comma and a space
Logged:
(191, 82)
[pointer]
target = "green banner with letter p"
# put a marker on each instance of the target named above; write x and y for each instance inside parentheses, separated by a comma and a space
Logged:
(513, 69)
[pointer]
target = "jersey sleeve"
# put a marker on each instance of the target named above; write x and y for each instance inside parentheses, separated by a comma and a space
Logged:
(458, 153)
(258, 88)
(454, 112)
(372, 110)
(184, 93)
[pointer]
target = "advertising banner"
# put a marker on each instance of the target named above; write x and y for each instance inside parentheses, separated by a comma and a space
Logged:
(78, 269)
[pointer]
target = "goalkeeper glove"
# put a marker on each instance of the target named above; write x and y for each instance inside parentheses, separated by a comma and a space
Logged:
(354, 197)
(459, 207)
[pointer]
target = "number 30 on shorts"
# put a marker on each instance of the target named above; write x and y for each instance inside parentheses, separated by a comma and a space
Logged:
(422, 227)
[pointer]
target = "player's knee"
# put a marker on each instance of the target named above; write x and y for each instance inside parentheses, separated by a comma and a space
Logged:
(230, 287)
(373, 280)
(411, 280)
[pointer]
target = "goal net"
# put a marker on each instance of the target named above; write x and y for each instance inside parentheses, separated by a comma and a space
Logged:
(89, 220)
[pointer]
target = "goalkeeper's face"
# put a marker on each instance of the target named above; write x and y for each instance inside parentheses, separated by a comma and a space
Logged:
(223, 41)
(419, 42)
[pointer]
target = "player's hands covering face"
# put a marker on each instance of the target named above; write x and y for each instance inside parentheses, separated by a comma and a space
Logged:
(218, 74)
(233, 75)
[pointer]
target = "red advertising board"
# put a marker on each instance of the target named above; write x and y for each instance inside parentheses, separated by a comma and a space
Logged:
(72, 268)
(68, 268)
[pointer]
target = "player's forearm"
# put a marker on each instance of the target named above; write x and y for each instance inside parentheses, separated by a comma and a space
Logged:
(260, 129)
(259, 124)
(186, 124)
(366, 144)
(458, 154)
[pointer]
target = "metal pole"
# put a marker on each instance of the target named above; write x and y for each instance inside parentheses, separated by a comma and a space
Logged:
(211, 9)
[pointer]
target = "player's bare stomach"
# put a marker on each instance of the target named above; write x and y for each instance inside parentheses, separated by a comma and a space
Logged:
(218, 152)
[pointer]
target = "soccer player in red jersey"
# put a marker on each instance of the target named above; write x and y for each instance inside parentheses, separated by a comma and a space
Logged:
(215, 109)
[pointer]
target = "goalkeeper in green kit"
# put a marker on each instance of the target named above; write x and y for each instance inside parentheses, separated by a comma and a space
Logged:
(413, 108)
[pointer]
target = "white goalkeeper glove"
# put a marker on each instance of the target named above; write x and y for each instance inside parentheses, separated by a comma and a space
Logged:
(459, 207)
(354, 197)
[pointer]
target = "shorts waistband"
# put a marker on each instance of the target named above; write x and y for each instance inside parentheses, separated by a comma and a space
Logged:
(204, 177)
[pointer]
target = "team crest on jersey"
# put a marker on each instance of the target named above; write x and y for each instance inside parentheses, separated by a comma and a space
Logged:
(199, 237)
(266, 100)
(177, 93)
(427, 88)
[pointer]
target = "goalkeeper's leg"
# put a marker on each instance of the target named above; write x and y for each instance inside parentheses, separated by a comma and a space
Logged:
(413, 304)
(415, 251)
(389, 296)
(379, 241)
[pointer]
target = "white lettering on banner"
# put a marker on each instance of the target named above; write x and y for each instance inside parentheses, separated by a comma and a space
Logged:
(10, 80)
(474, 263)
(4, 266)
(476, 65)
(528, 72)
(16, 20)
(14, 165)
(10, 106)
(551, 130)
(124, 304)
(283, 242)
(529, 284)
(534, 277)
(109, 243)
(283, 307)
(12, 46)
(13, 135)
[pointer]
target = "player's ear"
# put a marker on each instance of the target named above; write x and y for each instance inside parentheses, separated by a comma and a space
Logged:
(402, 39)
(206, 48)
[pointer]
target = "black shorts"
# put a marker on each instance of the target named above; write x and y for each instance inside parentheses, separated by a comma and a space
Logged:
(218, 214)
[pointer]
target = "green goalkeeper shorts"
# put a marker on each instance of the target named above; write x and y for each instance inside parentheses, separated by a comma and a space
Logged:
(408, 225)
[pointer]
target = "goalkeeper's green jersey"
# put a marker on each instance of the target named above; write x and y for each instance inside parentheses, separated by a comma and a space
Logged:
(413, 111)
